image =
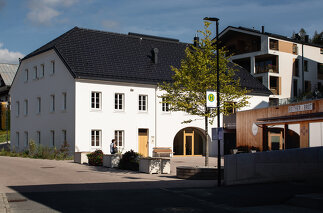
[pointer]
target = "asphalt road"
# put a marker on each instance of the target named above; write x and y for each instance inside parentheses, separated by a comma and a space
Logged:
(30, 185)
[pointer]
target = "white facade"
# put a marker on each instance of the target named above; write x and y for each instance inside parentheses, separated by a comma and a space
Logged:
(80, 120)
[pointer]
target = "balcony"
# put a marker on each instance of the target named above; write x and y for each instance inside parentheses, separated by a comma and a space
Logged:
(266, 68)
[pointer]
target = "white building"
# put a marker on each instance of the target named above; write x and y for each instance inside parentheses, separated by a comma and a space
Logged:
(88, 87)
(276, 61)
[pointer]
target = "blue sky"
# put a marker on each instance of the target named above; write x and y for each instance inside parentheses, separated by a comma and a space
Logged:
(28, 24)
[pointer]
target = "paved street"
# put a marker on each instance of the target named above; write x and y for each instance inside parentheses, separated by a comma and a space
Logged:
(31, 185)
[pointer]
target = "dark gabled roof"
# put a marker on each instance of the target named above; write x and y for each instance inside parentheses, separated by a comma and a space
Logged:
(273, 35)
(93, 54)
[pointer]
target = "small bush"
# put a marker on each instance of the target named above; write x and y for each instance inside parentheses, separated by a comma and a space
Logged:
(95, 158)
(130, 161)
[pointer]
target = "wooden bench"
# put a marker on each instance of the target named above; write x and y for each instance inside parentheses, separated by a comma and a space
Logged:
(162, 152)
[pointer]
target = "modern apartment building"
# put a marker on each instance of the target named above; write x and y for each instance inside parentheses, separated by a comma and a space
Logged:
(276, 61)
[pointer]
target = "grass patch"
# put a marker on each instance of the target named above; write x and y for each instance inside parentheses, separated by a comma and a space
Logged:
(3, 136)
(41, 152)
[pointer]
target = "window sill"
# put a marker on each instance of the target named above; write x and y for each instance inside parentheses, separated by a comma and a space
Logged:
(95, 110)
(118, 111)
(63, 111)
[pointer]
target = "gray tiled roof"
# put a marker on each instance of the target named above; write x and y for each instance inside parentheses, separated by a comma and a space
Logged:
(93, 54)
(8, 72)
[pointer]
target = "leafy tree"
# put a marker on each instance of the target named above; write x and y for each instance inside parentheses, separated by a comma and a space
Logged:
(196, 75)
(317, 38)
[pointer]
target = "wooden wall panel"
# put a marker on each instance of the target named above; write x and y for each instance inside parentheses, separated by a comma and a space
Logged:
(286, 47)
(304, 137)
(245, 119)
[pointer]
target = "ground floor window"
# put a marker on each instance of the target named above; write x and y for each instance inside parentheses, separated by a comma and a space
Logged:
(95, 138)
(119, 137)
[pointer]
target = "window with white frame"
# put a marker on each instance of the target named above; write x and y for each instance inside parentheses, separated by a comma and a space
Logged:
(165, 105)
(35, 72)
(143, 103)
(52, 103)
(17, 138)
(119, 137)
(38, 137)
(26, 139)
(95, 138)
(26, 75)
(42, 71)
(17, 108)
(96, 100)
(118, 101)
(26, 107)
(38, 105)
(52, 138)
(64, 139)
(52, 70)
(64, 104)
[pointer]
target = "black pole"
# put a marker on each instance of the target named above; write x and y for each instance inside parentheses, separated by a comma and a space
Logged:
(206, 138)
(303, 80)
(218, 98)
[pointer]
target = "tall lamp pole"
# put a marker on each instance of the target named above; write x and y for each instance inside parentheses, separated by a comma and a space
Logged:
(217, 91)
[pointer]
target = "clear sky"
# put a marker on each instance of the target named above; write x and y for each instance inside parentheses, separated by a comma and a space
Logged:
(25, 25)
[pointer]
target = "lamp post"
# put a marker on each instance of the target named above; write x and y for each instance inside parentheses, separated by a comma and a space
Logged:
(217, 92)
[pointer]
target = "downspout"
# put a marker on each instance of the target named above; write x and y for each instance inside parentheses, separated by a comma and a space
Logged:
(156, 115)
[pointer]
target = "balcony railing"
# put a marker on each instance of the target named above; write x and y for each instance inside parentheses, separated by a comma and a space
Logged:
(267, 68)
(275, 91)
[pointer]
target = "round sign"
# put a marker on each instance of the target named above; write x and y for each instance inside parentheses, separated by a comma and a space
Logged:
(211, 97)
(254, 129)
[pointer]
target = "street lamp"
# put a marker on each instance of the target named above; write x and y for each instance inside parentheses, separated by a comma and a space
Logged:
(217, 91)
(298, 37)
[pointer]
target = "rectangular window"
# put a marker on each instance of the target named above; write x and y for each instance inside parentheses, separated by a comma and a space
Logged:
(64, 136)
(17, 138)
(26, 75)
(96, 100)
(296, 68)
(273, 44)
(38, 105)
(142, 102)
(64, 105)
(26, 107)
(165, 106)
(38, 137)
(308, 86)
(320, 71)
(118, 101)
(305, 66)
(52, 70)
(42, 71)
(52, 137)
(95, 138)
(295, 49)
(26, 139)
(35, 73)
(52, 103)
(119, 137)
(18, 108)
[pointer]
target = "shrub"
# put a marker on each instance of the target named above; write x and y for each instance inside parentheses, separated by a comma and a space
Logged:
(95, 158)
(130, 161)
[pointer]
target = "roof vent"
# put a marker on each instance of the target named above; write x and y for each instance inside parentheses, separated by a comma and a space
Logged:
(262, 29)
(155, 55)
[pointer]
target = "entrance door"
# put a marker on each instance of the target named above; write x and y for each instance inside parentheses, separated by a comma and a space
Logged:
(188, 143)
(143, 142)
(275, 141)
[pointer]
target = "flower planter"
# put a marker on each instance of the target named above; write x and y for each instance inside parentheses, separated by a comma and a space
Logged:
(154, 165)
(80, 157)
(111, 160)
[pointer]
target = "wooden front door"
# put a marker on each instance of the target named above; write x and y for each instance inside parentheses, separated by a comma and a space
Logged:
(188, 143)
(275, 141)
(143, 142)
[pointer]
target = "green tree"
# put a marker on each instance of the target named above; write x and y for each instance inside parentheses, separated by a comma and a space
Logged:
(317, 38)
(197, 74)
